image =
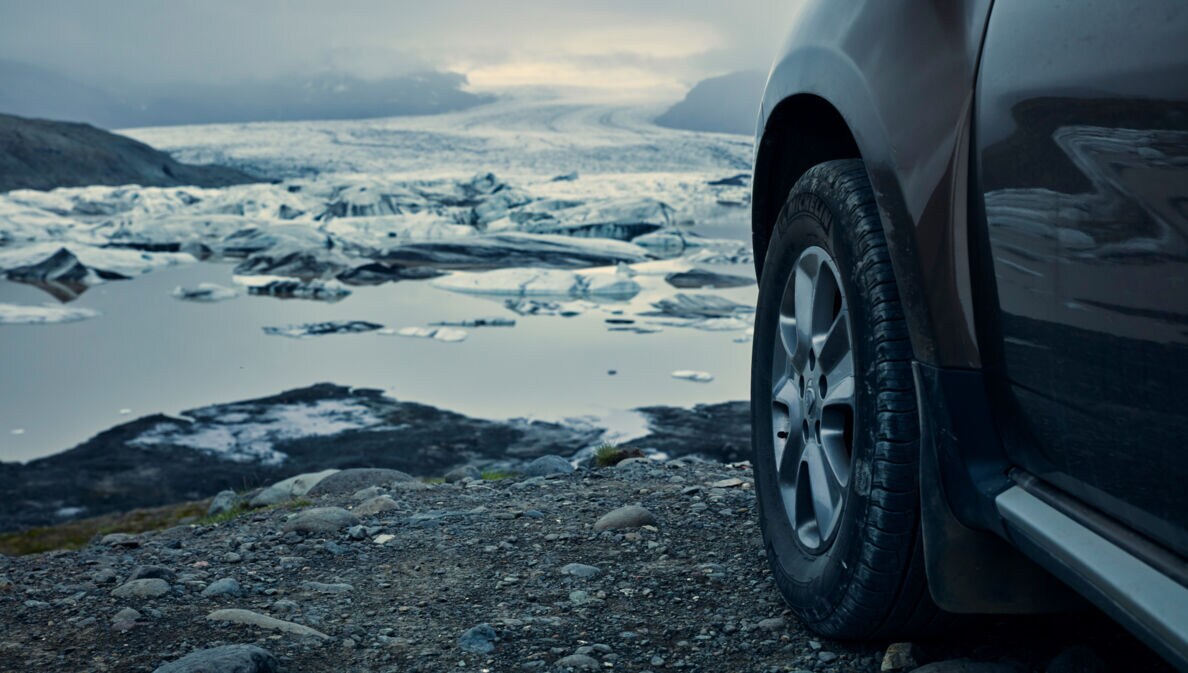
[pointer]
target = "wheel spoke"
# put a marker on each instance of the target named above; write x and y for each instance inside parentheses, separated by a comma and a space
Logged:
(826, 491)
(804, 292)
(833, 344)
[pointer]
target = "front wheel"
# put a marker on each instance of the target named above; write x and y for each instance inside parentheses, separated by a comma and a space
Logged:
(833, 409)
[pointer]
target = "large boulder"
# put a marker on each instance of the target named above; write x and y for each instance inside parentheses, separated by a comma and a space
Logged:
(287, 489)
(224, 659)
(351, 480)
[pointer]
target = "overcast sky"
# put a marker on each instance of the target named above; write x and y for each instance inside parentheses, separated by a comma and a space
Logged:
(621, 43)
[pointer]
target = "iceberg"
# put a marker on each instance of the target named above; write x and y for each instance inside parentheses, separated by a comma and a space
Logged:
(17, 314)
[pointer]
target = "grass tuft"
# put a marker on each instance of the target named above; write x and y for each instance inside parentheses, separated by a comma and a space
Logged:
(609, 455)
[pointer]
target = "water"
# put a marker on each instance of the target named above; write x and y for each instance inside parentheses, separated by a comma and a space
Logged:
(149, 353)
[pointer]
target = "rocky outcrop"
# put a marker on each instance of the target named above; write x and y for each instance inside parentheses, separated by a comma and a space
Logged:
(43, 154)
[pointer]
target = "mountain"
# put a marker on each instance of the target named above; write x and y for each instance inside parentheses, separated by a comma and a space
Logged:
(43, 154)
(31, 91)
(725, 104)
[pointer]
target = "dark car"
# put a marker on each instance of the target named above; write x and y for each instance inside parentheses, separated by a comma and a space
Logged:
(970, 367)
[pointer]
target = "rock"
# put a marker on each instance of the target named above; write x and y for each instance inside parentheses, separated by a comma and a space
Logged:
(772, 624)
(826, 657)
(463, 472)
(351, 480)
(967, 666)
(239, 616)
(224, 659)
(321, 520)
(727, 483)
(368, 493)
(698, 278)
(477, 639)
(303, 330)
(324, 588)
(143, 588)
(631, 516)
(376, 505)
(290, 488)
(577, 662)
(226, 586)
(125, 619)
(120, 540)
(581, 570)
(899, 656)
(548, 465)
(104, 576)
(224, 502)
(383, 538)
(148, 572)
(1077, 659)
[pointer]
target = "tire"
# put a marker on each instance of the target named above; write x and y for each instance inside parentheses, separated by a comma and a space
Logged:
(853, 569)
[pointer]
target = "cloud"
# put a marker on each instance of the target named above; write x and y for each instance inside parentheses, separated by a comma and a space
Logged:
(660, 43)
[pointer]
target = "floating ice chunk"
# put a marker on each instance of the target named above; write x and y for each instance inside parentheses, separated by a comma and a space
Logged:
(635, 329)
(371, 198)
(323, 328)
(107, 262)
(293, 288)
(514, 249)
(698, 306)
(530, 282)
(622, 219)
(746, 337)
(20, 223)
(386, 231)
(17, 314)
(693, 375)
(208, 292)
(537, 307)
(696, 278)
(447, 334)
(296, 262)
(18, 431)
(477, 322)
(736, 254)
(709, 324)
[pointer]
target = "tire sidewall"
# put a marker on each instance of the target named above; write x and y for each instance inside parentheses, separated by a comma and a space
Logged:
(814, 583)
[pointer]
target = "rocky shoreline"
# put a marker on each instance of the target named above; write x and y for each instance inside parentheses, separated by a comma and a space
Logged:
(158, 459)
(645, 566)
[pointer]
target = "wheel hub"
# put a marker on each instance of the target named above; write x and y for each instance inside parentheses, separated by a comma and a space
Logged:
(813, 398)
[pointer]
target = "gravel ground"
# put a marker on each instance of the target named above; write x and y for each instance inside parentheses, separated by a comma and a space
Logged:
(506, 575)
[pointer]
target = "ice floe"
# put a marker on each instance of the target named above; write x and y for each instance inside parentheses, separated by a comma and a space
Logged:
(294, 288)
(18, 314)
(447, 334)
(701, 278)
(205, 292)
(693, 375)
(323, 328)
(531, 282)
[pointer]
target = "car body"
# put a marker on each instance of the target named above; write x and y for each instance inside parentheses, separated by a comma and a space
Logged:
(1030, 166)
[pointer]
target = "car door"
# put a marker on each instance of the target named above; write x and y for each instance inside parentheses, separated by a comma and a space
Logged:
(1081, 136)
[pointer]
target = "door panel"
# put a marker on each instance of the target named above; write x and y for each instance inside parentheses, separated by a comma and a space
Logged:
(1081, 127)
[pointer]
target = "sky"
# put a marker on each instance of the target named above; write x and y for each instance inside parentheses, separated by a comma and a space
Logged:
(657, 45)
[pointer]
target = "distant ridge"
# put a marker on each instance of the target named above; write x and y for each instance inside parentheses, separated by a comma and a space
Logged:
(724, 104)
(31, 91)
(44, 154)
